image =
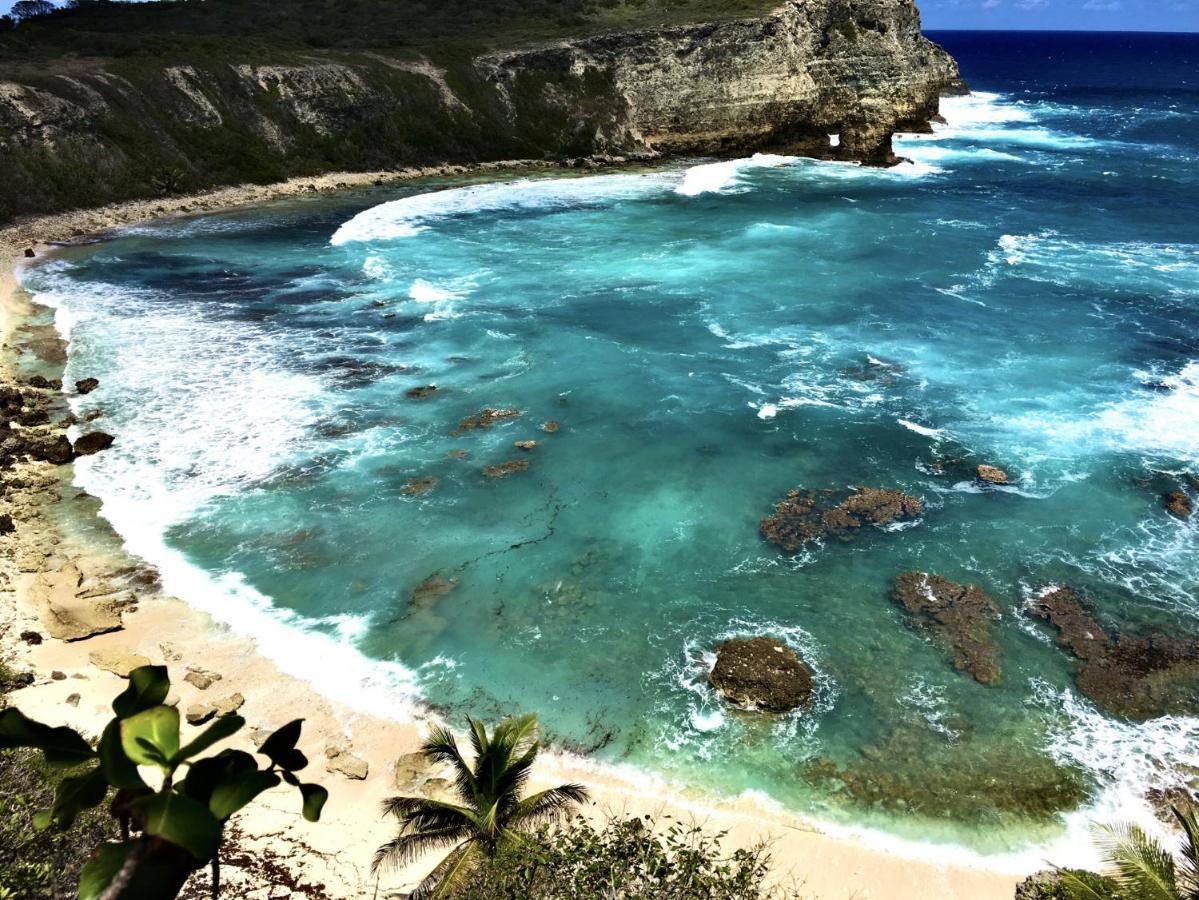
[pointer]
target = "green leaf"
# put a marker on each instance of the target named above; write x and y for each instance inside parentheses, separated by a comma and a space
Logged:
(217, 731)
(314, 801)
(119, 769)
(239, 789)
(280, 747)
(76, 793)
(179, 819)
(151, 737)
(96, 874)
(204, 775)
(148, 686)
(60, 746)
(42, 820)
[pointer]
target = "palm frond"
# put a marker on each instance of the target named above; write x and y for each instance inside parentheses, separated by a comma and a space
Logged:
(1188, 854)
(1144, 868)
(511, 780)
(403, 807)
(548, 806)
(441, 881)
(1079, 888)
(442, 747)
(408, 847)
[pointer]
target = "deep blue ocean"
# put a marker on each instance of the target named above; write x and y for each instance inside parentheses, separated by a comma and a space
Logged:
(1023, 292)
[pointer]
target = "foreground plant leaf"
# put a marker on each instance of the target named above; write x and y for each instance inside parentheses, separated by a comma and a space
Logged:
(151, 738)
(60, 746)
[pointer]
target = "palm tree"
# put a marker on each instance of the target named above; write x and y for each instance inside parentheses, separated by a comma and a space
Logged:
(492, 816)
(1141, 868)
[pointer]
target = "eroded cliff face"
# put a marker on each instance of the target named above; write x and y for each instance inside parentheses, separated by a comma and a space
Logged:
(111, 130)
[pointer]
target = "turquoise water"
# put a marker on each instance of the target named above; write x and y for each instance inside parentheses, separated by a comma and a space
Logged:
(1024, 293)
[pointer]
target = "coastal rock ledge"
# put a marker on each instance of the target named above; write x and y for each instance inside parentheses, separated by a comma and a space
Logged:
(761, 673)
(784, 81)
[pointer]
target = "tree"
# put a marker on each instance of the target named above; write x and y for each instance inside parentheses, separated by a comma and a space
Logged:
(30, 9)
(168, 832)
(1141, 868)
(492, 816)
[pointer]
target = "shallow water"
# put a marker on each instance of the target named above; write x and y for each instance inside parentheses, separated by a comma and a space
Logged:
(1023, 293)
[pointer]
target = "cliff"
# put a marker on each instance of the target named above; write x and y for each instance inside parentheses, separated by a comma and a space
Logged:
(85, 131)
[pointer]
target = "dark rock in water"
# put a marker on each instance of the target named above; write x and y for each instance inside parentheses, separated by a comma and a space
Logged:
(6, 524)
(55, 450)
(1178, 504)
(1134, 677)
(804, 516)
(419, 393)
(550, 427)
(1076, 630)
(991, 475)
(43, 383)
(959, 616)
(93, 442)
(486, 418)
(29, 254)
(419, 486)
(432, 588)
(458, 453)
(504, 469)
(87, 385)
(1164, 802)
(761, 673)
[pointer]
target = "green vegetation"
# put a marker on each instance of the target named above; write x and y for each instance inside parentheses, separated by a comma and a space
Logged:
(152, 29)
(166, 832)
(492, 817)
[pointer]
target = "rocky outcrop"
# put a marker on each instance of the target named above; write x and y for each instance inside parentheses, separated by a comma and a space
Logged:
(960, 618)
(1178, 504)
(784, 81)
(1137, 677)
(804, 516)
(761, 673)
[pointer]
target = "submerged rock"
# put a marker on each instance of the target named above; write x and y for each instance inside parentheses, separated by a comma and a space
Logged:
(991, 475)
(486, 418)
(1136, 677)
(550, 427)
(420, 393)
(804, 516)
(87, 385)
(1178, 504)
(432, 588)
(761, 673)
(93, 442)
(959, 616)
(419, 486)
(504, 469)
(525, 445)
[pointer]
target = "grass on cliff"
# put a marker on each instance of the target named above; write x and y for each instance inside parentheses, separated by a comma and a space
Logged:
(154, 29)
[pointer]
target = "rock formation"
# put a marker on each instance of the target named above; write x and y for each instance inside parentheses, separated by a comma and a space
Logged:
(486, 418)
(783, 81)
(1178, 504)
(959, 616)
(991, 475)
(504, 469)
(1137, 677)
(804, 516)
(761, 673)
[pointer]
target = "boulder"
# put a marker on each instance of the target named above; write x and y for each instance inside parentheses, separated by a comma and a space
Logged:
(202, 679)
(761, 673)
(525, 445)
(1178, 504)
(960, 618)
(29, 254)
(93, 442)
(486, 418)
(504, 469)
(804, 516)
(991, 475)
(199, 713)
(86, 385)
(56, 449)
(420, 393)
(118, 660)
(340, 761)
(32, 638)
(550, 427)
(6, 524)
(66, 612)
(411, 771)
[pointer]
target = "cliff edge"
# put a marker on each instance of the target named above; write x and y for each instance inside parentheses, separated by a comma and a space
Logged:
(84, 131)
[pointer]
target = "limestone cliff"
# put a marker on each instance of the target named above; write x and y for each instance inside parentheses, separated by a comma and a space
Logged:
(104, 130)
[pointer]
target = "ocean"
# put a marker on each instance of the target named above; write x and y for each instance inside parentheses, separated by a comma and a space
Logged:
(706, 336)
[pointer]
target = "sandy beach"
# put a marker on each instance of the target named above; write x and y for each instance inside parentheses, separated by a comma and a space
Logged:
(63, 557)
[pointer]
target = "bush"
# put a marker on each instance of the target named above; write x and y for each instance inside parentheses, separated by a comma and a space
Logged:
(630, 857)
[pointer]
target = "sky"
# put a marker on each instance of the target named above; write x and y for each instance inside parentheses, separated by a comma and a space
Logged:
(1066, 15)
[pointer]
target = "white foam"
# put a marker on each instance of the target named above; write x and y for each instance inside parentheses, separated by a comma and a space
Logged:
(725, 175)
(409, 216)
(921, 429)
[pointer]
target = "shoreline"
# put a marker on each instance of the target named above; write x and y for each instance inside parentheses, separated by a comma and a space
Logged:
(167, 630)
